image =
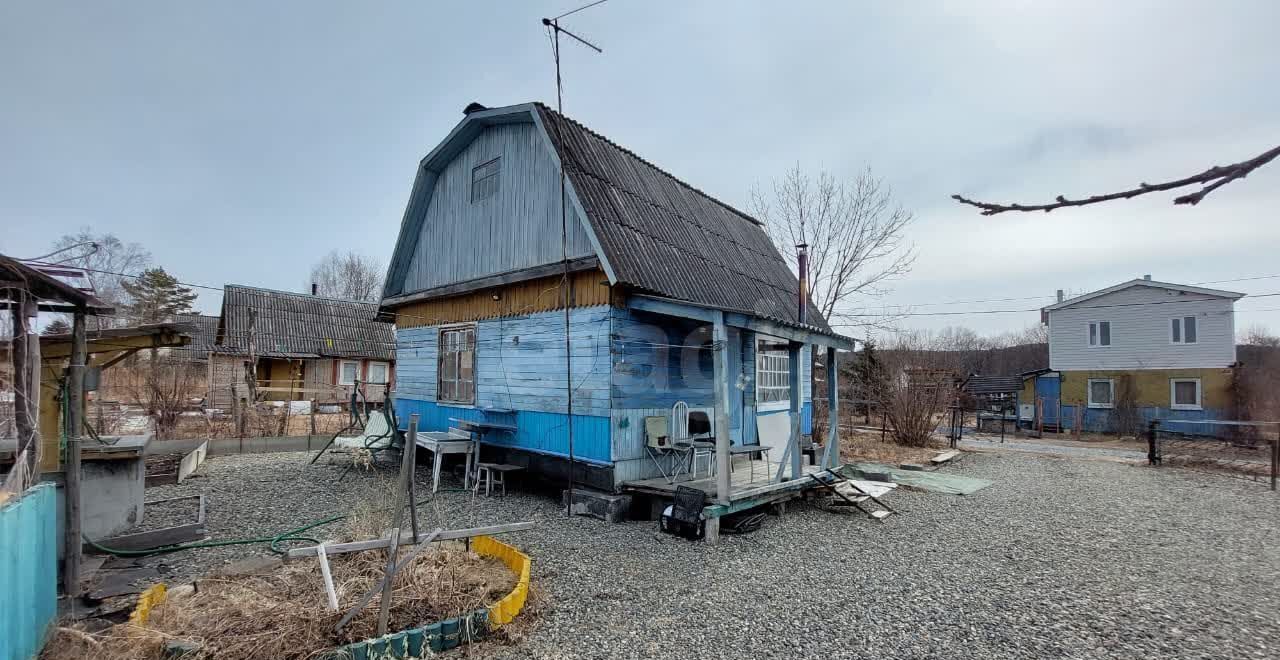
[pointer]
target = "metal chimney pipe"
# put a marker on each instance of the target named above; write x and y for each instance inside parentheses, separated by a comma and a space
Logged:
(315, 289)
(1059, 295)
(802, 262)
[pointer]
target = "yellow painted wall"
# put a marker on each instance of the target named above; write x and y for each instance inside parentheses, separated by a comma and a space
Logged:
(1152, 385)
(589, 288)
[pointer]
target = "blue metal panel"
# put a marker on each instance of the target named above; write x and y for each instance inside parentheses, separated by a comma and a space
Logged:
(28, 571)
(517, 228)
(536, 431)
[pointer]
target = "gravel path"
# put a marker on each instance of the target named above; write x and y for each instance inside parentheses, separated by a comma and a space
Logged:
(1060, 448)
(1060, 558)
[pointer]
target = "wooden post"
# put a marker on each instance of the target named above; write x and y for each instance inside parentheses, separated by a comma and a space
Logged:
(75, 429)
(831, 454)
(793, 446)
(397, 519)
(720, 375)
(313, 416)
(26, 384)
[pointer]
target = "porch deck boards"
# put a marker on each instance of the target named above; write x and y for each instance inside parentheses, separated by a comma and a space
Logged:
(740, 480)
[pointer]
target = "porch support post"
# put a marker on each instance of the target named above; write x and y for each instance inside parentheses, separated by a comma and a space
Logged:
(720, 360)
(831, 453)
(793, 350)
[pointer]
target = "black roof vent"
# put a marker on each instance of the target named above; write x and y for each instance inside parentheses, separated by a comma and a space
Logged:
(473, 107)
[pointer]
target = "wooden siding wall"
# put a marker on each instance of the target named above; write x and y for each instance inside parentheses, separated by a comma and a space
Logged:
(1140, 317)
(517, 228)
(659, 360)
(589, 288)
(520, 362)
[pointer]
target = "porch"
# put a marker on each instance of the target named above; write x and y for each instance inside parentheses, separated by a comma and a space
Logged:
(740, 481)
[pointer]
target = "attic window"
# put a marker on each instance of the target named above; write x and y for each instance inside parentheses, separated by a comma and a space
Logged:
(484, 180)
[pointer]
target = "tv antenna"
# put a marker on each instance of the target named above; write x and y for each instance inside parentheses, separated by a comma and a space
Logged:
(554, 31)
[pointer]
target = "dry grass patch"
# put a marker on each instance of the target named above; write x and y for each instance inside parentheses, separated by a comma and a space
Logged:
(866, 446)
(284, 615)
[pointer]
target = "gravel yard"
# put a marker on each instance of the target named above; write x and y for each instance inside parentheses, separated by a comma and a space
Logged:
(1060, 558)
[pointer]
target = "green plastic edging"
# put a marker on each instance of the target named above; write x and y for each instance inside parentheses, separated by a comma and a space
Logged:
(433, 638)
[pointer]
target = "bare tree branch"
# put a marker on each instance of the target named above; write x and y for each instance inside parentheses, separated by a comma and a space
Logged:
(855, 233)
(349, 276)
(1213, 178)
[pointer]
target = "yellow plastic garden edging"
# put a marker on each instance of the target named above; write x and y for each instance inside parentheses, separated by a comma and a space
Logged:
(506, 609)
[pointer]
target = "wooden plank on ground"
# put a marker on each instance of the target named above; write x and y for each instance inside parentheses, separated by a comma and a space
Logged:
(945, 457)
(374, 544)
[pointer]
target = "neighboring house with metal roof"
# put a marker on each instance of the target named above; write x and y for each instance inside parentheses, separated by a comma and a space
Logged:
(1140, 350)
(300, 346)
(673, 296)
(203, 338)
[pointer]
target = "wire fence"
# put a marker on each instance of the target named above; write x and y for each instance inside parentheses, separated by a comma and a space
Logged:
(1239, 449)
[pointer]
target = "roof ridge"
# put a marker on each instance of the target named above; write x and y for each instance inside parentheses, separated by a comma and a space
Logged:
(642, 159)
(299, 294)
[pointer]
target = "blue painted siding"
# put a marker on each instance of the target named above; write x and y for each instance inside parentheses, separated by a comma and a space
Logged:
(1099, 420)
(28, 571)
(520, 362)
(517, 228)
(520, 365)
(659, 360)
(541, 432)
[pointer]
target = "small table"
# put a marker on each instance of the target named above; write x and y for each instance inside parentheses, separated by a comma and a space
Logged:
(737, 450)
(440, 443)
(493, 474)
(480, 429)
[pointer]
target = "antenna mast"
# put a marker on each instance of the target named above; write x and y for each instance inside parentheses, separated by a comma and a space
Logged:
(553, 27)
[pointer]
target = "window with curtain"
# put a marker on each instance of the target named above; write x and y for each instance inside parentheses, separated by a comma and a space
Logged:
(456, 380)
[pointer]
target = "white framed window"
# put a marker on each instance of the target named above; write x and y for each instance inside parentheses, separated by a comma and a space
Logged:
(485, 180)
(1099, 333)
(1183, 330)
(348, 372)
(456, 365)
(1102, 393)
(773, 375)
(378, 372)
(1184, 393)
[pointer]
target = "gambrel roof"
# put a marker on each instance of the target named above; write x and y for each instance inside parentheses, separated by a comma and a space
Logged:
(652, 232)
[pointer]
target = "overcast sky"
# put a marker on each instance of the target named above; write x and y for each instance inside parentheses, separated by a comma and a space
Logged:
(240, 141)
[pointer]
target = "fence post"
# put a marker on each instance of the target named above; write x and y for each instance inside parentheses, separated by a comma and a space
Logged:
(1153, 453)
(1275, 459)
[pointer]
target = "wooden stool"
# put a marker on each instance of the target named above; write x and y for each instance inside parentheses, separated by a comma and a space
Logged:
(493, 474)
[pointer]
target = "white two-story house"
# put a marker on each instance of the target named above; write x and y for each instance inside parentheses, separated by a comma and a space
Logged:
(1140, 350)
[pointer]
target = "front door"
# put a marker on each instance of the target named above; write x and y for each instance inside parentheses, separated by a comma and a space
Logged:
(1048, 398)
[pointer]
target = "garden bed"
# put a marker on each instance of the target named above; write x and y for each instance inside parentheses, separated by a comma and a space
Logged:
(283, 615)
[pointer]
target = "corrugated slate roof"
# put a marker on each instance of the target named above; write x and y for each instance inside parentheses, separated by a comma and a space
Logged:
(291, 324)
(663, 236)
(202, 340)
(981, 385)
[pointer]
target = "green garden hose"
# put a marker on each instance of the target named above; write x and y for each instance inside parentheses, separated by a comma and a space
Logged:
(292, 535)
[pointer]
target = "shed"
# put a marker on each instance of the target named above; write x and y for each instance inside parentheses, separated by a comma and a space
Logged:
(679, 305)
(298, 346)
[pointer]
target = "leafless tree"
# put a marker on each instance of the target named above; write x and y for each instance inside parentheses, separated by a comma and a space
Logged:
(166, 388)
(1258, 335)
(854, 230)
(107, 262)
(917, 384)
(1211, 179)
(349, 276)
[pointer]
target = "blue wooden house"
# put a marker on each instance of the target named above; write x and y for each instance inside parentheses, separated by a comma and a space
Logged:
(672, 297)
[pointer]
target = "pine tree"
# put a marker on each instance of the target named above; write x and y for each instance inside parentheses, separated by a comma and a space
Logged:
(157, 296)
(58, 326)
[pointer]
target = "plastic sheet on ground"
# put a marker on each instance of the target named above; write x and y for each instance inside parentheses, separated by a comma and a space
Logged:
(935, 482)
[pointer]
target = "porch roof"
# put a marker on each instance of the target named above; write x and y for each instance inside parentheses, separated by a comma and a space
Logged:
(741, 318)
